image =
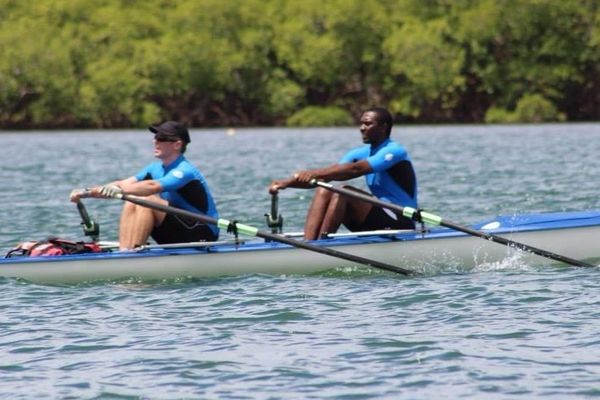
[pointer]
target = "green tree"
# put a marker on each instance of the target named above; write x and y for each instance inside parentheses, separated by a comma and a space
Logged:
(320, 116)
(117, 63)
(36, 85)
(334, 50)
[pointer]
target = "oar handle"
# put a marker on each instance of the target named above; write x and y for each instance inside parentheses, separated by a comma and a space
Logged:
(422, 216)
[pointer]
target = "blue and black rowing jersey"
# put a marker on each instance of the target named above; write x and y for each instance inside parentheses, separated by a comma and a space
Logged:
(393, 178)
(183, 187)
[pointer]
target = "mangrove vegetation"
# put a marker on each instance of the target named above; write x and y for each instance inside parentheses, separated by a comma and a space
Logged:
(127, 63)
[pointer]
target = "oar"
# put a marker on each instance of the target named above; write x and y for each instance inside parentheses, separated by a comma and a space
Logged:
(251, 231)
(432, 219)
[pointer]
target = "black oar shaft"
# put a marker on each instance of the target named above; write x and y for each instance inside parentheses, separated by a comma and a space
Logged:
(432, 219)
(251, 231)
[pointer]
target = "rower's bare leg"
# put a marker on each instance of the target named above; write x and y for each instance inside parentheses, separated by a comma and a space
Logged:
(334, 215)
(343, 210)
(316, 213)
(137, 223)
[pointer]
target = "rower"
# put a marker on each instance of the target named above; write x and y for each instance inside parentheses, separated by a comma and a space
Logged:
(171, 181)
(389, 175)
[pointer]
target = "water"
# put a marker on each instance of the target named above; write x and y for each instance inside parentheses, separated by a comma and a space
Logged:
(508, 330)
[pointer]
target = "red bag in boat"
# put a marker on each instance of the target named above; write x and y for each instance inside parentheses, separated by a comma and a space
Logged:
(53, 247)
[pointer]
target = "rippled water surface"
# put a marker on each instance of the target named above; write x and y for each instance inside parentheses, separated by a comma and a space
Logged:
(501, 331)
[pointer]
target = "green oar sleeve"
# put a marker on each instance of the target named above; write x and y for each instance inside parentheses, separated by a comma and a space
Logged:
(426, 217)
(241, 228)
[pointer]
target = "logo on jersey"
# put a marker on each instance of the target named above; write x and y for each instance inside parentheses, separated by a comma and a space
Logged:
(388, 157)
(178, 174)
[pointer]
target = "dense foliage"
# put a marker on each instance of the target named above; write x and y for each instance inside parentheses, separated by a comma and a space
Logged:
(119, 63)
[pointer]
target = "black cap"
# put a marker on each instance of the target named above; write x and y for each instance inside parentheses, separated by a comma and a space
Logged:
(172, 129)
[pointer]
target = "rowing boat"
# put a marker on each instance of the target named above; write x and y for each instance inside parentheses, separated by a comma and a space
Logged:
(575, 234)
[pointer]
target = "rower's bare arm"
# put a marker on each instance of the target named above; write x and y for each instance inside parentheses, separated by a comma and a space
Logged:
(128, 186)
(77, 194)
(141, 188)
(281, 184)
(109, 189)
(335, 172)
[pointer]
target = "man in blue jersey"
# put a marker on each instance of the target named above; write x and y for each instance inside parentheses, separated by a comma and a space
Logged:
(170, 181)
(389, 174)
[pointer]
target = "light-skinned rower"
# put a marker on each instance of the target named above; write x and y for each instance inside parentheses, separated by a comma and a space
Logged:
(172, 181)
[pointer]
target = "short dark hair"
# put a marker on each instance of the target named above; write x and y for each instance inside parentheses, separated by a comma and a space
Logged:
(383, 117)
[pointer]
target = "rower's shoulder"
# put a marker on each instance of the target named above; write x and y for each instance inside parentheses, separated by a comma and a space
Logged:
(190, 169)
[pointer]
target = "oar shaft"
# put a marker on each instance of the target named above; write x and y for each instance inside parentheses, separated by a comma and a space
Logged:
(432, 219)
(251, 231)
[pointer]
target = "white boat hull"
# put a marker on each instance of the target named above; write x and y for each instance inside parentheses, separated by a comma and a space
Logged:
(437, 250)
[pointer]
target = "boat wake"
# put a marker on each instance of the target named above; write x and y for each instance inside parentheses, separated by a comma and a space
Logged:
(513, 262)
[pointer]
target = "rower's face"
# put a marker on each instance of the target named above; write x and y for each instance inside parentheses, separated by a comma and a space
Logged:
(370, 129)
(164, 148)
